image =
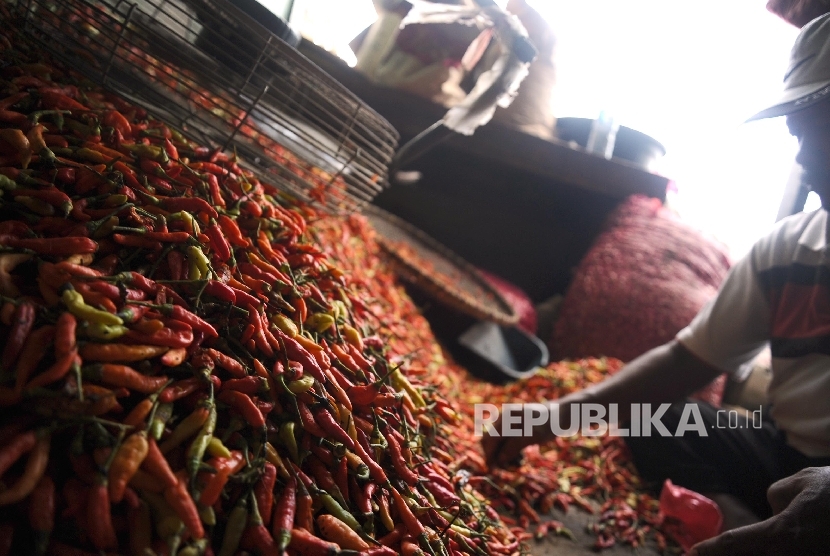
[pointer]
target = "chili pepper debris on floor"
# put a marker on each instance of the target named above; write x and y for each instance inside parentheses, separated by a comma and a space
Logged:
(185, 344)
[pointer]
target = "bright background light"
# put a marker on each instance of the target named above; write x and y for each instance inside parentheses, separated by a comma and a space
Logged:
(688, 73)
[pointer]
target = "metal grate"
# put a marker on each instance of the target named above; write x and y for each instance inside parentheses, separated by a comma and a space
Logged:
(225, 81)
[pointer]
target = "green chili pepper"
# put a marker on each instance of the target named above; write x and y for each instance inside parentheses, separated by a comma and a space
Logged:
(302, 385)
(106, 332)
(163, 413)
(290, 441)
(58, 114)
(197, 448)
(320, 322)
(337, 510)
(199, 264)
(237, 522)
(153, 152)
(75, 303)
(7, 183)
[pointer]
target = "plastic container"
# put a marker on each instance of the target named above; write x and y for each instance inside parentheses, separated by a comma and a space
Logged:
(602, 136)
(499, 353)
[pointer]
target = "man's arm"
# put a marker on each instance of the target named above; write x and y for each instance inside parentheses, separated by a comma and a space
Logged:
(665, 374)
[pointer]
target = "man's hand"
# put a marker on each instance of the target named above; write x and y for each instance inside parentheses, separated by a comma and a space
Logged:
(801, 524)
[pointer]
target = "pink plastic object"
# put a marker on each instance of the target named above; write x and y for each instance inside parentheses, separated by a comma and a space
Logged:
(688, 517)
(517, 298)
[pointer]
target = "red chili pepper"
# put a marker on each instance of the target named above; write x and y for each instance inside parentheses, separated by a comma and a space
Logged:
(254, 272)
(330, 426)
(23, 321)
(104, 288)
(304, 518)
(156, 464)
(99, 516)
(51, 99)
(283, 515)
(180, 389)
(52, 196)
(264, 491)
(13, 450)
(136, 280)
(375, 470)
(55, 245)
(232, 232)
(298, 353)
(179, 499)
(343, 356)
(308, 422)
(306, 543)
(170, 149)
(322, 475)
(126, 462)
(115, 119)
(243, 298)
(258, 335)
(215, 190)
(256, 537)
(218, 242)
(31, 354)
(399, 463)
(249, 385)
(252, 208)
(365, 498)
(220, 291)
(122, 375)
(175, 262)
(411, 522)
(394, 536)
(78, 270)
(322, 454)
(366, 394)
(13, 118)
(137, 415)
(164, 337)
(226, 362)
(244, 405)
(181, 314)
(137, 241)
(341, 477)
(225, 467)
(57, 371)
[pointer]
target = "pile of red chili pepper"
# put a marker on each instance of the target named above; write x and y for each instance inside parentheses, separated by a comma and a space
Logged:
(183, 369)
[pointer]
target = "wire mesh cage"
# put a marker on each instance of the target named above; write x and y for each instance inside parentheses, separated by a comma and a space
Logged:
(222, 79)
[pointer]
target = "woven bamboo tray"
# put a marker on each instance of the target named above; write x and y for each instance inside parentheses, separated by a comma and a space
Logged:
(425, 263)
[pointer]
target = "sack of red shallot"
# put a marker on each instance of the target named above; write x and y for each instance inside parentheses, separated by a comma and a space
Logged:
(645, 277)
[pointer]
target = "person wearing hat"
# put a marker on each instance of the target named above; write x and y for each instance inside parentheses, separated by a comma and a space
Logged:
(775, 467)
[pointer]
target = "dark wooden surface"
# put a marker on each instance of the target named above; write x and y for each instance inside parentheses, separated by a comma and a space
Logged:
(522, 207)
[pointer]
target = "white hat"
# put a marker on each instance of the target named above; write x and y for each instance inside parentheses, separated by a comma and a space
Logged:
(807, 80)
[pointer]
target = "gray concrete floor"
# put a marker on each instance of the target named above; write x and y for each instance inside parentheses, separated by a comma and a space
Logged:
(577, 520)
